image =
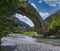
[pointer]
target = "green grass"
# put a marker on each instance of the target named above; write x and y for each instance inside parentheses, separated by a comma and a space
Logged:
(24, 34)
(28, 33)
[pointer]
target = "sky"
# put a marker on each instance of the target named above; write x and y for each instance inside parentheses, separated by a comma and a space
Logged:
(44, 8)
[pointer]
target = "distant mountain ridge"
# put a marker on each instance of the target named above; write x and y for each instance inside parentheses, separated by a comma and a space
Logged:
(21, 24)
(52, 16)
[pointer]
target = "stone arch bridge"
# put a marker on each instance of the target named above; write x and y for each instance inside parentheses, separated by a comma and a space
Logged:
(29, 11)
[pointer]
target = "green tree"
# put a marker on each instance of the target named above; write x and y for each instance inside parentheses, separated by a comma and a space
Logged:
(7, 10)
(54, 27)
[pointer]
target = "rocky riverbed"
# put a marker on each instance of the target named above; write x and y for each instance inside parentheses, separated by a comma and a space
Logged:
(22, 45)
(37, 47)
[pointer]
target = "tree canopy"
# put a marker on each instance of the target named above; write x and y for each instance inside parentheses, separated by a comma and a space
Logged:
(54, 27)
(7, 10)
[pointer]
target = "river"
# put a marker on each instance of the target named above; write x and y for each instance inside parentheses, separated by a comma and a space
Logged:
(12, 40)
(31, 39)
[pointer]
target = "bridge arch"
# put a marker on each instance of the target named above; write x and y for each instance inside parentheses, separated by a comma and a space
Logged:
(32, 14)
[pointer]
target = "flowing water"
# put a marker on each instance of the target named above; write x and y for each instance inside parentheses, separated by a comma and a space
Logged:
(31, 39)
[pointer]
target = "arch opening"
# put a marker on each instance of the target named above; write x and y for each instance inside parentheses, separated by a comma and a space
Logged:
(25, 19)
(26, 26)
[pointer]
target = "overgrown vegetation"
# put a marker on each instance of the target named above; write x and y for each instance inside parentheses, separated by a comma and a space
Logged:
(54, 28)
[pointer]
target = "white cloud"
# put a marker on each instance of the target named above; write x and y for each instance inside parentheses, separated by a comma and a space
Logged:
(40, 1)
(52, 3)
(33, 5)
(24, 19)
(44, 14)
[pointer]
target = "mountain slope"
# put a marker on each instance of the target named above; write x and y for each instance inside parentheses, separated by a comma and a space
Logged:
(51, 17)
